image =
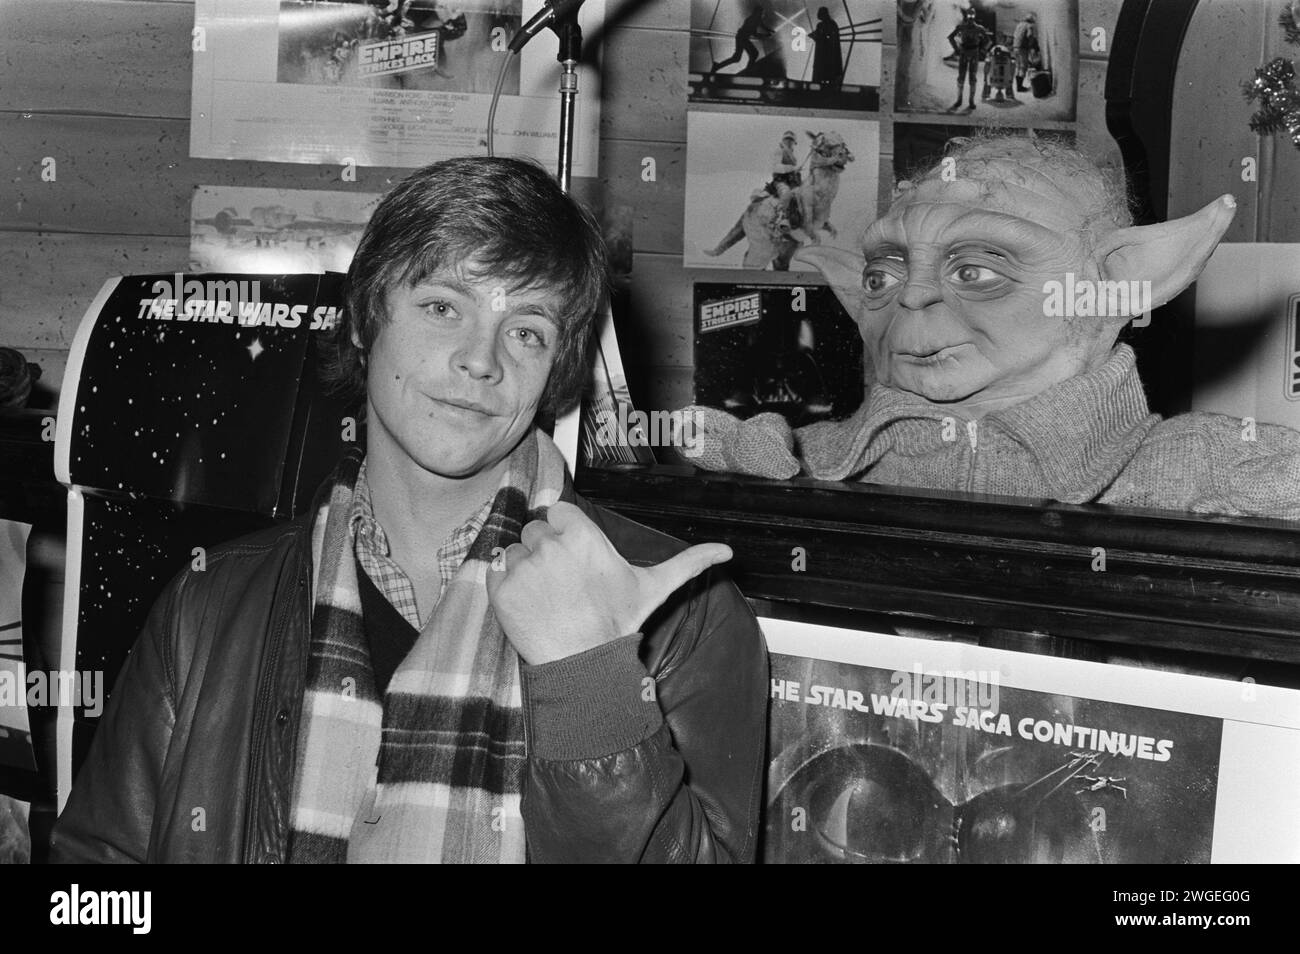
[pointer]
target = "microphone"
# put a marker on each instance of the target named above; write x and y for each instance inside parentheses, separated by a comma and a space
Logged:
(551, 10)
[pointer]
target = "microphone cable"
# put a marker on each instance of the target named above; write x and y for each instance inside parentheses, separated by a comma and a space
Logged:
(496, 98)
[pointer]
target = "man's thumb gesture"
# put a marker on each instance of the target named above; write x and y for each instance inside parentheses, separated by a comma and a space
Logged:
(660, 582)
(564, 588)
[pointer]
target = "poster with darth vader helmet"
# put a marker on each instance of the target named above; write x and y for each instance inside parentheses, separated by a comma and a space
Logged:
(891, 749)
(789, 349)
(788, 54)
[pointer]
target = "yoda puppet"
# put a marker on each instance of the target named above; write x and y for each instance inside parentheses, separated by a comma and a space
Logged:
(987, 380)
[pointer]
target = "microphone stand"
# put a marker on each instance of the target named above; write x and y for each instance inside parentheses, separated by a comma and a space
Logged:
(566, 28)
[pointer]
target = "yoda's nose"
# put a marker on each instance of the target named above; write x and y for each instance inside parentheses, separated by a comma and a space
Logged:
(920, 291)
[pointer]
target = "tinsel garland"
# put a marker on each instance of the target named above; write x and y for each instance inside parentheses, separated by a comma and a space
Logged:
(1288, 23)
(1274, 88)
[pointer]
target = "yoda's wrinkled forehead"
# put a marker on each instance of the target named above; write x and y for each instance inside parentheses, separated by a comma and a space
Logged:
(1019, 187)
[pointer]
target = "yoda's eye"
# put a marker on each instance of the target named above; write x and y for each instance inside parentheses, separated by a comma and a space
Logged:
(874, 280)
(969, 274)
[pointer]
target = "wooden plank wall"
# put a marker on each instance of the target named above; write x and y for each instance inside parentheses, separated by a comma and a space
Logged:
(103, 88)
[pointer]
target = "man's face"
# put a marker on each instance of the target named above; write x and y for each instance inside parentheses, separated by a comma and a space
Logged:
(455, 376)
(953, 306)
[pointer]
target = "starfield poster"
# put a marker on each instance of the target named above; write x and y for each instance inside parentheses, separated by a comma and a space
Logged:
(192, 412)
(886, 749)
(170, 374)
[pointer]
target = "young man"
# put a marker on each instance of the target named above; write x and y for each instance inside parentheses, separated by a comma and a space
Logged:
(451, 657)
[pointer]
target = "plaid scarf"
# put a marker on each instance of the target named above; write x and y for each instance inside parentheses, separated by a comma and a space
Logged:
(433, 771)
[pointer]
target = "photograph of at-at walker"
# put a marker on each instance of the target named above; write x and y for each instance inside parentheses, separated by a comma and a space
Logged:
(792, 54)
(758, 188)
(989, 60)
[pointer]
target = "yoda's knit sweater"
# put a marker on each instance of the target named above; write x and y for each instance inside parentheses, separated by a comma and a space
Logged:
(1089, 439)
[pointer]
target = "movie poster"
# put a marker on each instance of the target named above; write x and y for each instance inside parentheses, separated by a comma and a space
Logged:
(988, 61)
(888, 749)
(783, 348)
(382, 82)
(170, 374)
(276, 231)
(398, 44)
(191, 413)
(759, 187)
(786, 53)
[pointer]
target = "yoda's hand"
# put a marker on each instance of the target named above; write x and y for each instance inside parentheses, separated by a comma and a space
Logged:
(761, 446)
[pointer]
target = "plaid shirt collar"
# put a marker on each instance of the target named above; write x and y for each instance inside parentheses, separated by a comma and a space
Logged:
(373, 550)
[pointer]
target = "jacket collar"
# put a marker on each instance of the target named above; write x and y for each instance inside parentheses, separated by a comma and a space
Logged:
(1081, 432)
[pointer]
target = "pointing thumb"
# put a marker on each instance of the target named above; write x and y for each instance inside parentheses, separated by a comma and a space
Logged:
(668, 576)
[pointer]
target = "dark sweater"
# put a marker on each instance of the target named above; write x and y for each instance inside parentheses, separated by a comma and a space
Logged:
(389, 636)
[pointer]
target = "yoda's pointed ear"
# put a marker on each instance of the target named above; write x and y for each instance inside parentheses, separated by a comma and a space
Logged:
(843, 270)
(1169, 255)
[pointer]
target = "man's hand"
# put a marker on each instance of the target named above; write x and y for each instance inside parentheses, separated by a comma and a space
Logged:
(564, 588)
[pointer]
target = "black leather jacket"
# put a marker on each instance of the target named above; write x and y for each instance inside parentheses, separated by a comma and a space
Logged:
(193, 760)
